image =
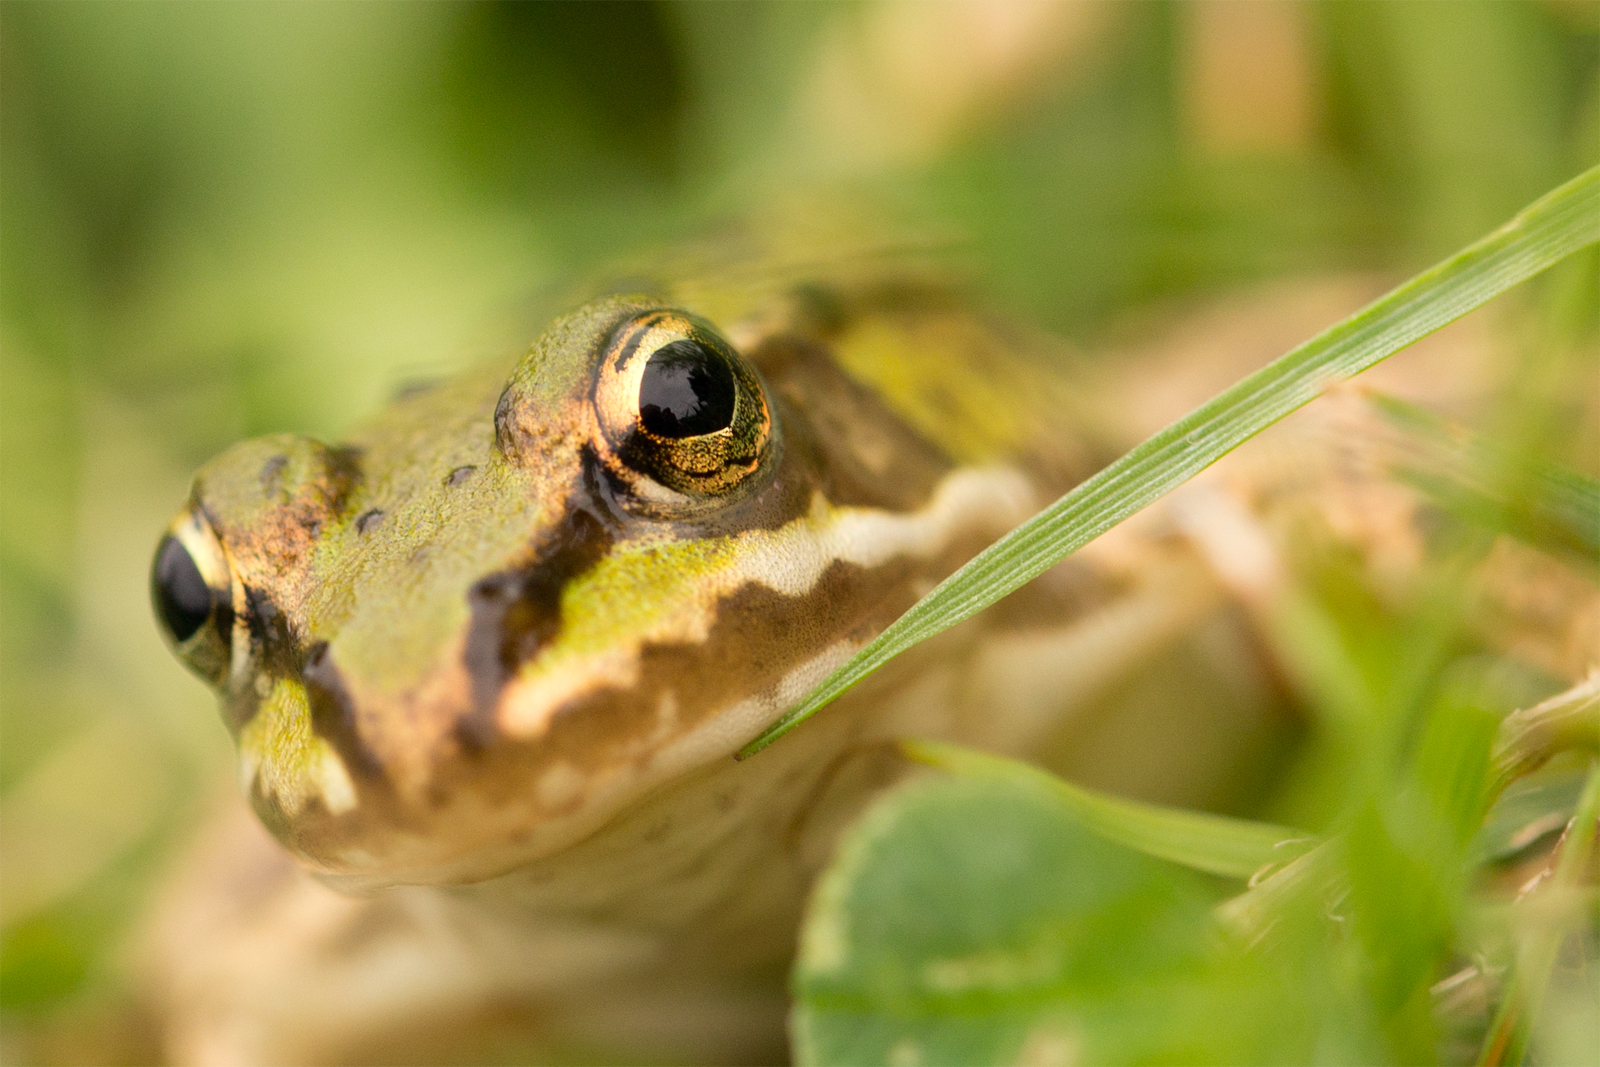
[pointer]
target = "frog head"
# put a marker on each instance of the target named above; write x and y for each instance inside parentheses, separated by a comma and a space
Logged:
(512, 605)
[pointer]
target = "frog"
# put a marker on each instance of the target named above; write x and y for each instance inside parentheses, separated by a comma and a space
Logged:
(489, 661)
(501, 644)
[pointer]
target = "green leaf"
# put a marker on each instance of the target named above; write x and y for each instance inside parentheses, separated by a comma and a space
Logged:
(1215, 844)
(976, 921)
(979, 921)
(1553, 227)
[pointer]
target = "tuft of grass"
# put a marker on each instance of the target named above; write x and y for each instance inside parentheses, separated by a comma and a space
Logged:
(1542, 234)
(998, 914)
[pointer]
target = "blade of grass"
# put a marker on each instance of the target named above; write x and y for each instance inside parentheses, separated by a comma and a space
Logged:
(1509, 1033)
(1530, 736)
(1545, 232)
(1216, 844)
(1541, 503)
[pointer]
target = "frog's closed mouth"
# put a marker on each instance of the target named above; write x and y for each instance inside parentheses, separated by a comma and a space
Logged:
(510, 607)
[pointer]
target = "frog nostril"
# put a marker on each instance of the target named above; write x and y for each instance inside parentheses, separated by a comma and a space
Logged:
(459, 475)
(368, 519)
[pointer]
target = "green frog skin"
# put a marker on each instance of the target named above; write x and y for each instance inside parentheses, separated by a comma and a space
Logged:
(507, 637)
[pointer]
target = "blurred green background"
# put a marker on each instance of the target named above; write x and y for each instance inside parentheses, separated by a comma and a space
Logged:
(223, 220)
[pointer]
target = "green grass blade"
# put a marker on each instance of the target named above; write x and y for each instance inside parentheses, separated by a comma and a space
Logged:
(1216, 844)
(1544, 504)
(1548, 230)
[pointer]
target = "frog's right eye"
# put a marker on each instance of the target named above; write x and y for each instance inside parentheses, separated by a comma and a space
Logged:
(685, 419)
(192, 593)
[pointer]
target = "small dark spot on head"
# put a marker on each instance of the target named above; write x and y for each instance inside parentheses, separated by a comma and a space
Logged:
(368, 519)
(497, 588)
(459, 475)
(270, 471)
(344, 474)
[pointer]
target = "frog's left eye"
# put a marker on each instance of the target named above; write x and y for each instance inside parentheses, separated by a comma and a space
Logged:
(681, 408)
(192, 593)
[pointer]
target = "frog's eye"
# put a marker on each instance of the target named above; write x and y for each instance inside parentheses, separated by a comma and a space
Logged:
(192, 593)
(679, 407)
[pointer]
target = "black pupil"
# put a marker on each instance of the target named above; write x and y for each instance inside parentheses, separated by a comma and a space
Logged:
(181, 594)
(686, 391)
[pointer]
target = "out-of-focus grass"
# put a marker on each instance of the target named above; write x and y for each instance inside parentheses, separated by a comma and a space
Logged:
(222, 220)
(970, 922)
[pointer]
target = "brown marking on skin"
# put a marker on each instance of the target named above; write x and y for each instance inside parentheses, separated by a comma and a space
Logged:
(505, 435)
(270, 472)
(239, 706)
(344, 476)
(276, 652)
(274, 548)
(758, 638)
(517, 612)
(269, 540)
(333, 713)
(866, 456)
